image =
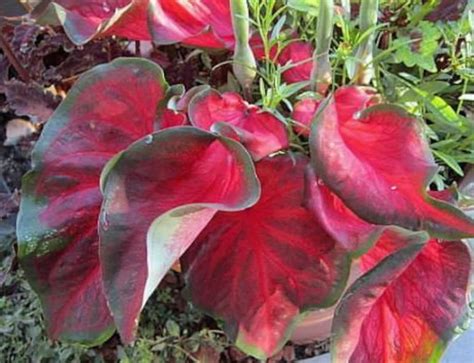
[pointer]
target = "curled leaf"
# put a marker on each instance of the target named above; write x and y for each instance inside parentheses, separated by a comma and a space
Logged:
(259, 131)
(378, 162)
(185, 176)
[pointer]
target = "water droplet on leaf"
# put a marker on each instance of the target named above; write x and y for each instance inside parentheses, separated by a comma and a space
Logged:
(106, 7)
(149, 139)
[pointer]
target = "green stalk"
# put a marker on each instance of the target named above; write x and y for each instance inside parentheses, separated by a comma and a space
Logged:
(321, 76)
(244, 66)
(364, 69)
(346, 6)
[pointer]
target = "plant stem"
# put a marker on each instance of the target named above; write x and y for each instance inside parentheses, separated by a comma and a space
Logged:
(244, 61)
(321, 76)
(364, 69)
(7, 50)
(346, 6)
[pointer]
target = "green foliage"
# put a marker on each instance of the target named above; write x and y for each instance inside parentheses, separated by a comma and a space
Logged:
(22, 334)
(418, 47)
(426, 67)
(168, 332)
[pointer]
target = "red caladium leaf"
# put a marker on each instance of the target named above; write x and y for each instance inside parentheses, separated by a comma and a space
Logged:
(185, 175)
(304, 112)
(200, 23)
(108, 108)
(301, 56)
(378, 162)
(351, 232)
(85, 19)
(176, 111)
(260, 131)
(265, 265)
(407, 307)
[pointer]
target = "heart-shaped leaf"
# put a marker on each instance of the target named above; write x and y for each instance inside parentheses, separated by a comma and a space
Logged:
(405, 309)
(200, 23)
(158, 195)
(83, 20)
(378, 162)
(227, 113)
(108, 108)
(260, 268)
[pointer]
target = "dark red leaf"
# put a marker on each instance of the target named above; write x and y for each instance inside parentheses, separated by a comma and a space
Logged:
(108, 108)
(260, 131)
(378, 162)
(200, 23)
(260, 268)
(407, 307)
(185, 175)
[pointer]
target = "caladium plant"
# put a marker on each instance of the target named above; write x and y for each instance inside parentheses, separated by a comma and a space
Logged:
(130, 176)
(259, 257)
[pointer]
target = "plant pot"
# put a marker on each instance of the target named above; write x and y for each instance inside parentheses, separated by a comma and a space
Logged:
(317, 324)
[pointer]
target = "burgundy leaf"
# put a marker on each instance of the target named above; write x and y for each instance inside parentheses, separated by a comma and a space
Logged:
(378, 162)
(108, 108)
(260, 131)
(185, 175)
(260, 268)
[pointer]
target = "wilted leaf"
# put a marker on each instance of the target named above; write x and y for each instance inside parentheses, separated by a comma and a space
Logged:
(31, 100)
